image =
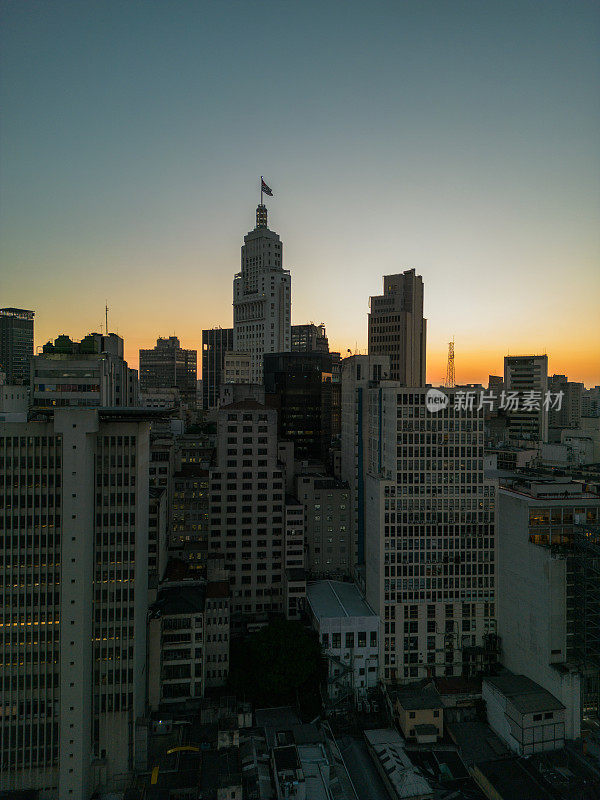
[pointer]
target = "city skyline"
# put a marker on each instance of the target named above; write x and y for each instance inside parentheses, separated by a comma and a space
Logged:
(133, 145)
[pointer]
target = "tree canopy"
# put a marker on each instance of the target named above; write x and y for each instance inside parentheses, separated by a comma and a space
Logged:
(271, 664)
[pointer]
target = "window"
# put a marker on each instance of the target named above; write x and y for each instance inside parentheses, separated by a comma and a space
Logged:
(411, 714)
(350, 639)
(336, 640)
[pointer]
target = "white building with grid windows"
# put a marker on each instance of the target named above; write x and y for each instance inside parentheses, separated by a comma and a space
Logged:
(430, 536)
(73, 598)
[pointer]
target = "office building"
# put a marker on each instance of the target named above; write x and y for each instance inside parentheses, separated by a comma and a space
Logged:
(548, 610)
(310, 338)
(16, 344)
(299, 386)
(169, 366)
(89, 373)
(397, 328)
(262, 296)
(247, 501)
(327, 530)
(216, 342)
(524, 375)
(359, 373)
(74, 554)
(430, 536)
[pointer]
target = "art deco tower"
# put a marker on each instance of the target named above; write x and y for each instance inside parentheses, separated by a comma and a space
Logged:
(261, 297)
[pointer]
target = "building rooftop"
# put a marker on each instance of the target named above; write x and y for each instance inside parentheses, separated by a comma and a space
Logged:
(332, 599)
(387, 746)
(179, 600)
(417, 696)
(524, 694)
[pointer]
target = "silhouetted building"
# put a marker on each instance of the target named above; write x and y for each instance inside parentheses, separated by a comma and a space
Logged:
(216, 342)
(309, 338)
(397, 328)
(299, 386)
(168, 365)
(524, 375)
(16, 344)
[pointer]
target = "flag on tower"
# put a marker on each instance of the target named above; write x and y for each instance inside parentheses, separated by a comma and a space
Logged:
(264, 188)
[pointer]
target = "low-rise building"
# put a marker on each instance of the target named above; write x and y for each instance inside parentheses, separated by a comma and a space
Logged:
(349, 633)
(419, 711)
(402, 779)
(523, 714)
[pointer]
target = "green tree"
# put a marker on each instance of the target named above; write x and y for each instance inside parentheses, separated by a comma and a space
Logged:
(272, 664)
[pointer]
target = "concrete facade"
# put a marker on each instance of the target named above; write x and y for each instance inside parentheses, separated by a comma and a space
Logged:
(430, 536)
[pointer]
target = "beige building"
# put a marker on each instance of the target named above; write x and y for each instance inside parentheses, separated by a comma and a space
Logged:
(419, 711)
(397, 328)
(237, 367)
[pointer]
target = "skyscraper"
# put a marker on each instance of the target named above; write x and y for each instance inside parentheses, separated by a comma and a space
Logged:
(262, 297)
(216, 342)
(16, 344)
(310, 338)
(397, 327)
(430, 536)
(73, 600)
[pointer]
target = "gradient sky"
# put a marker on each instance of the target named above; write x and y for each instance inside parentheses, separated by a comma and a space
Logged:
(461, 139)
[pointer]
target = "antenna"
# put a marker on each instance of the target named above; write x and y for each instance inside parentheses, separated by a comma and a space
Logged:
(450, 379)
(106, 317)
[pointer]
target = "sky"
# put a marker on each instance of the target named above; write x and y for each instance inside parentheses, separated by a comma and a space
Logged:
(457, 138)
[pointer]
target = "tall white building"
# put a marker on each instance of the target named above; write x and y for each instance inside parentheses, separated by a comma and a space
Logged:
(73, 598)
(262, 294)
(430, 536)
